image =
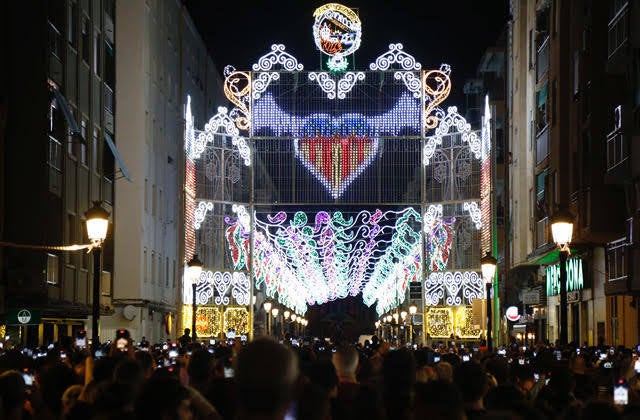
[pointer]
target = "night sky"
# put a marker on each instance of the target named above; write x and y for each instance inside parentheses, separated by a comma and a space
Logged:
(456, 32)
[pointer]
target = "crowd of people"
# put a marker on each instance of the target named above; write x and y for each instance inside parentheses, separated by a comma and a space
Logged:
(312, 378)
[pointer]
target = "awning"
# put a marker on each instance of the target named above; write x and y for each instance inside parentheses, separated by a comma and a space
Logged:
(116, 155)
(66, 110)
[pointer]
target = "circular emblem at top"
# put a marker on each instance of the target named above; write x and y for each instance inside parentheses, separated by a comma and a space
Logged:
(337, 31)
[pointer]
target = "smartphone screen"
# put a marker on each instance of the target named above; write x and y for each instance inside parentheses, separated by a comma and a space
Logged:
(621, 393)
(28, 379)
(228, 372)
(81, 342)
(465, 358)
(121, 344)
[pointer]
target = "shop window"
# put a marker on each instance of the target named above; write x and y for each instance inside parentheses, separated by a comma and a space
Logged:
(52, 269)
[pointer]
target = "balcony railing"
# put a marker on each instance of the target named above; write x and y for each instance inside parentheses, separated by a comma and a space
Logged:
(542, 59)
(542, 145)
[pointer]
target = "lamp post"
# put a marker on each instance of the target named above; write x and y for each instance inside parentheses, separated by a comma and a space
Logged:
(413, 309)
(267, 309)
(286, 314)
(97, 223)
(562, 230)
(194, 269)
(275, 312)
(488, 264)
(403, 316)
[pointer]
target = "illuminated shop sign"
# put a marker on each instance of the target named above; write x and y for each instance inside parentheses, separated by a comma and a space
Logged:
(575, 277)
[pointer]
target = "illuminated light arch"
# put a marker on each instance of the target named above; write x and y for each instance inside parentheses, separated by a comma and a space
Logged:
(453, 288)
(237, 88)
(343, 85)
(200, 213)
(475, 213)
(452, 120)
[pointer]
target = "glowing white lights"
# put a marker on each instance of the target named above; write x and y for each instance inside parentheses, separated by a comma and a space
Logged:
(277, 55)
(452, 120)
(240, 288)
(411, 81)
(474, 211)
(262, 81)
(453, 288)
(201, 212)
(221, 286)
(337, 30)
(395, 55)
(344, 85)
(220, 124)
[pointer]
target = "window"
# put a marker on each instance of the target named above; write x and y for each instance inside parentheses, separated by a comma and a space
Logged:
(145, 264)
(153, 199)
(153, 267)
(52, 269)
(617, 147)
(97, 62)
(576, 73)
(94, 149)
(541, 182)
(72, 24)
(82, 145)
(146, 194)
(617, 260)
(86, 39)
(55, 154)
(542, 108)
(618, 26)
(166, 272)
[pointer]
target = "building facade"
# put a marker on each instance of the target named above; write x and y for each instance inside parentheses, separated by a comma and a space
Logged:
(564, 152)
(165, 60)
(57, 123)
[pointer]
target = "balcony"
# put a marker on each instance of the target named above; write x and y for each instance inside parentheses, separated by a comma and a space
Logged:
(542, 59)
(542, 144)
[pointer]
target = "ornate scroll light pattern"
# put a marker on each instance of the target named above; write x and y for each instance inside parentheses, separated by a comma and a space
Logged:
(450, 120)
(395, 55)
(411, 81)
(238, 237)
(235, 319)
(440, 238)
(237, 88)
(201, 213)
(240, 288)
(204, 290)
(277, 55)
(474, 212)
(437, 86)
(222, 124)
(439, 322)
(326, 83)
(221, 281)
(262, 82)
(346, 83)
(453, 287)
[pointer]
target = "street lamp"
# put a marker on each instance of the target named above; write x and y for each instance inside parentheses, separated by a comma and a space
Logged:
(562, 230)
(267, 309)
(488, 264)
(275, 312)
(97, 223)
(194, 269)
(413, 309)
